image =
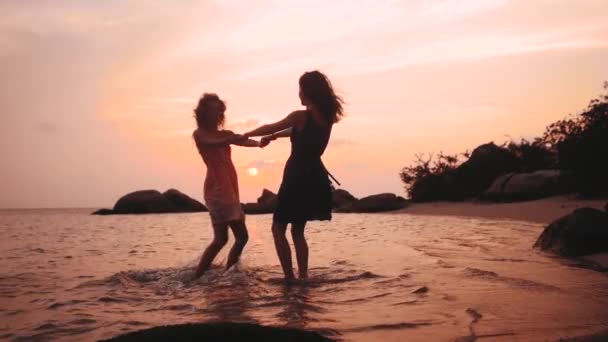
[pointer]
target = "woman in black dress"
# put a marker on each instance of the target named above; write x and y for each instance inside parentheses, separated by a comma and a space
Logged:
(305, 192)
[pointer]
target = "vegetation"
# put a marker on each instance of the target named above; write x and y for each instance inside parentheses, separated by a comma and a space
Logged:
(576, 145)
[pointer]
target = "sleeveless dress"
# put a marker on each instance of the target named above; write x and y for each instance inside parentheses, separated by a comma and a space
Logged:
(305, 193)
(221, 189)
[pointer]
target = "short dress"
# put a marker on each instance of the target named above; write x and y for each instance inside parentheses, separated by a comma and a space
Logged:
(221, 189)
(305, 193)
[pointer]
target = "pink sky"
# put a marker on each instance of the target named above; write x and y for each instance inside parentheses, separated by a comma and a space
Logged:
(96, 96)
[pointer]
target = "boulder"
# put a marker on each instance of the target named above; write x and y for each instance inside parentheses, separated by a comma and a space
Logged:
(153, 202)
(182, 202)
(143, 202)
(525, 186)
(266, 204)
(103, 211)
(341, 198)
(486, 163)
(582, 232)
(374, 203)
(220, 331)
(470, 179)
(268, 198)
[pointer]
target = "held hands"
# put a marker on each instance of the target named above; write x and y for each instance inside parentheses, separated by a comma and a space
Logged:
(266, 140)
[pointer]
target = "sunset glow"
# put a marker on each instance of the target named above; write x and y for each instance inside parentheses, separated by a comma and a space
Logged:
(97, 97)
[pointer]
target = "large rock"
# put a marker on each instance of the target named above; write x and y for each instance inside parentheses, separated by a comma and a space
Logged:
(341, 198)
(469, 179)
(143, 202)
(182, 202)
(153, 202)
(266, 204)
(486, 163)
(220, 332)
(104, 211)
(525, 186)
(374, 203)
(584, 231)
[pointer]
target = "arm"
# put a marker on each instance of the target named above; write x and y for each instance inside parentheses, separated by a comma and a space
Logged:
(248, 143)
(282, 134)
(289, 121)
(268, 138)
(216, 138)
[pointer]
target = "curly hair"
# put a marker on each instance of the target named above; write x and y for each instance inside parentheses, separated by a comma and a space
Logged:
(203, 120)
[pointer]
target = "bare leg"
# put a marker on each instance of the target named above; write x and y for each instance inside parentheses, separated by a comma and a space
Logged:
(239, 229)
(299, 242)
(282, 247)
(220, 237)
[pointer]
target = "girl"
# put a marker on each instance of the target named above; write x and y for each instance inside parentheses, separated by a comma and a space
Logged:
(221, 189)
(305, 192)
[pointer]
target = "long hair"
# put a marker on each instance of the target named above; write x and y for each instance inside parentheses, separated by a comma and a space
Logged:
(317, 88)
(203, 120)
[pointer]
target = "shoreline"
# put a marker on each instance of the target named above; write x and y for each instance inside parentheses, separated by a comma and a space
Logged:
(544, 210)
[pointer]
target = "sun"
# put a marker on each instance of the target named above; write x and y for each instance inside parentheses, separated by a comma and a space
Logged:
(252, 171)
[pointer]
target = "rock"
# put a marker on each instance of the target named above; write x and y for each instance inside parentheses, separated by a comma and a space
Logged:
(469, 179)
(103, 211)
(153, 202)
(143, 202)
(183, 203)
(374, 203)
(495, 191)
(486, 163)
(268, 198)
(582, 232)
(266, 204)
(525, 186)
(220, 331)
(341, 197)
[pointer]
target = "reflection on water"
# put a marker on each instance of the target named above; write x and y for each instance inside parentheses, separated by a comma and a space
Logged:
(68, 275)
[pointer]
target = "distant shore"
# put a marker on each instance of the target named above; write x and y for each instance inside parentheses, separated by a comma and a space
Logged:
(541, 211)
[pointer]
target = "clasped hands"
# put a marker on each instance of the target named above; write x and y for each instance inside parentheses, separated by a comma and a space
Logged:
(263, 142)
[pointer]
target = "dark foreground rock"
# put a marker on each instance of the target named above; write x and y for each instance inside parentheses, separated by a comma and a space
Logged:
(154, 202)
(583, 232)
(525, 186)
(220, 332)
(265, 204)
(374, 204)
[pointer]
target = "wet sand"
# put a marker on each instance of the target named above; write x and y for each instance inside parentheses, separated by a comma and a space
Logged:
(540, 211)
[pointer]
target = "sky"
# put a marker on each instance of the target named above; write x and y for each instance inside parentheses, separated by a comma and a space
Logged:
(96, 97)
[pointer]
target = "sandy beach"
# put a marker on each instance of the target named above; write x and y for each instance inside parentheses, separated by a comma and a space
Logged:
(540, 211)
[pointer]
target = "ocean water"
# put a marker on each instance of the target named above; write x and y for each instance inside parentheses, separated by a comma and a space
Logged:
(67, 275)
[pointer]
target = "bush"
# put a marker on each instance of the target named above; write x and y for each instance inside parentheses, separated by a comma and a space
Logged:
(577, 145)
(581, 144)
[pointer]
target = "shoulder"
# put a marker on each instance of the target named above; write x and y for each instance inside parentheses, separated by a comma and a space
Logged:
(297, 116)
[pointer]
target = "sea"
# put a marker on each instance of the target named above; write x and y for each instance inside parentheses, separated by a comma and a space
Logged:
(67, 275)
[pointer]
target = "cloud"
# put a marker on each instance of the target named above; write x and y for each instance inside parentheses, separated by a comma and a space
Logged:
(244, 125)
(262, 164)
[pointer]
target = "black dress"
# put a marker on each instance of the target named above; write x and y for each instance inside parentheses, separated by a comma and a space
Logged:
(305, 193)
